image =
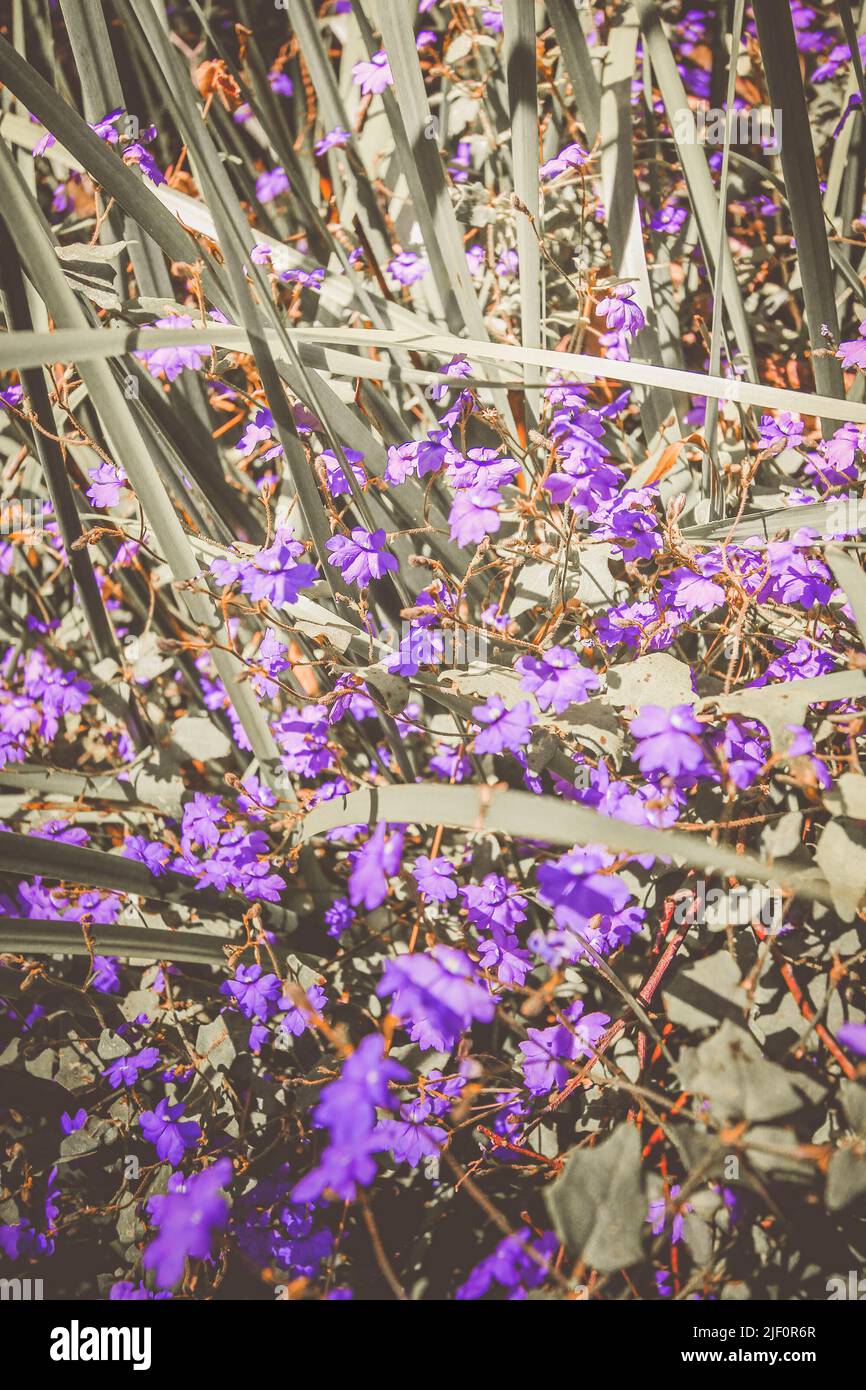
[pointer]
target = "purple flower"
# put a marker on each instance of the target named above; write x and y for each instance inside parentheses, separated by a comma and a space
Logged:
(169, 362)
(171, 1135)
(362, 556)
(670, 218)
(658, 1213)
(187, 1217)
(254, 993)
(256, 432)
(461, 161)
(492, 19)
(200, 822)
(434, 878)
(311, 279)
(505, 729)
(124, 1071)
(106, 974)
(572, 157)
(296, 1019)
(272, 184)
(494, 903)
(853, 1036)
(668, 741)
(853, 353)
(153, 853)
(620, 312)
(338, 483)
(556, 679)
(510, 1267)
(373, 865)
(107, 483)
(373, 76)
(782, 431)
(688, 593)
(303, 736)
(406, 268)
(339, 917)
(578, 889)
(274, 574)
(348, 1110)
(124, 1290)
(474, 515)
(137, 154)
(547, 1050)
(437, 995)
(70, 1124)
(335, 139)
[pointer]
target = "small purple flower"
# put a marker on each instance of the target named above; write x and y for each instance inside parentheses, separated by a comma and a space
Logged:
(434, 878)
(153, 853)
(578, 888)
(377, 861)
(670, 218)
(200, 822)
(556, 679)
(254, 993)
(187, 1217)
(668, 741)
(338, 483)
(169, 362)
(70, 1124)
(170, 1135)
(297, 1020)
(437, 995)
(106, 974)
(406, 268)
(361, 557)
(137, 154)
(339, 917)
(272, 184)
(348, 1110)
(658, 1214)
(619, 311)
(572, 157)
(505, 729)
(853, 1036)
(106, 485)
(373, 76)
(276, 574)
(510, 1266)
(545, 1054)
(853, 353)
(335, 139)
(474, 515)
(124, 1071)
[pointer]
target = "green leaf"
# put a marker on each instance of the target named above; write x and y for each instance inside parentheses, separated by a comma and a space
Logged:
(841, 857)
(483, 810)
(198, 737)
(30, 936)
(846, 1178)
(598, 1206)
(781, 59)
(706, 992)
(739, 1082)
